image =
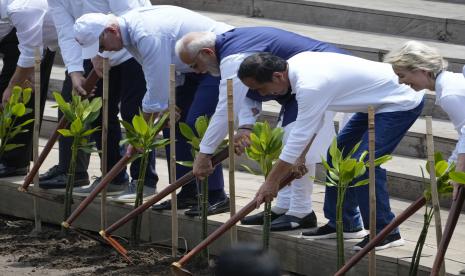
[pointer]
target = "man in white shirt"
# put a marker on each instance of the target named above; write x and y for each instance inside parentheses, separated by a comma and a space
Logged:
(328, 81)
(149, 34)
(24, 26)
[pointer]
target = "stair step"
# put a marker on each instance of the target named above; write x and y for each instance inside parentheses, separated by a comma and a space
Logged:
(414, 18)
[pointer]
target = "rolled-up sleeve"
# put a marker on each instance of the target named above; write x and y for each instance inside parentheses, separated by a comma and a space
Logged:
(70, 48)
(156, 59)
(28, 22)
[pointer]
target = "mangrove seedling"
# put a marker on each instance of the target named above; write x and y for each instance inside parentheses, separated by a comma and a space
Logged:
(142, 136)
(341, 173)
(80, 113)
(13, 109)
(445, 173)
(194, 138)
(265, 146)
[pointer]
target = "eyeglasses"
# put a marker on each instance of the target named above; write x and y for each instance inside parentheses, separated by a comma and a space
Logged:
(194, 64)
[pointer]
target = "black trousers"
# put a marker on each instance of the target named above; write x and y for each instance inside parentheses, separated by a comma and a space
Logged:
(21, 157)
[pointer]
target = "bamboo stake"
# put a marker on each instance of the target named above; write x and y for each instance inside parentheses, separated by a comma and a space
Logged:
(35, 139)
(232, 163)
(103, 160)
(434, 187)
(174, 201)
(372, 188)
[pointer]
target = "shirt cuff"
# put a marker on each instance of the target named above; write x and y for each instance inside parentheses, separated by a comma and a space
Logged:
(75, 68)
(206, 149)
(289, 158)
(152, 108)
(248, 121)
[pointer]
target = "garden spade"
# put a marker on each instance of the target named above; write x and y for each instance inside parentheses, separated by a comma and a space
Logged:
(177, 267)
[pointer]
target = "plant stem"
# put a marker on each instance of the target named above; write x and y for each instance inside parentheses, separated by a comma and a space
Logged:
(340, 227)
(137, 221)
(204, 214)
(427, 217)
(71, 173)
(266, 225)
(6, 138)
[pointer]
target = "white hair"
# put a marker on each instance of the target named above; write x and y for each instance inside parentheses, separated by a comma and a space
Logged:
(192, 43)
(416, 55)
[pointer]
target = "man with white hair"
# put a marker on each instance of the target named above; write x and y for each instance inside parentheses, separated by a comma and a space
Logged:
(149, 34)
(24, 26)
(222, 54)
(329, 81)
(127, 85)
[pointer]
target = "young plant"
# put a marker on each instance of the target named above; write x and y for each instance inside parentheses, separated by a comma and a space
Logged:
(445, 173)
(265, 147)
(142, 135)
(80, 113)
(340, 174)
(13, 109)
(194, 138)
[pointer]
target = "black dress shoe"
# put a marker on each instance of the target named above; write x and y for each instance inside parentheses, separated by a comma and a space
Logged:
(288, 222)
(59, 181)
(257, 219)
(182, 203)
(51, 173)
(221, 206)
(6, 171)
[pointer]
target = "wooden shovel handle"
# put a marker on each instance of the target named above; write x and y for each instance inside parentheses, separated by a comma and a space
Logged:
(91, 81)
(117, 168)
(415, 206)
(452, 219)
(216, 159)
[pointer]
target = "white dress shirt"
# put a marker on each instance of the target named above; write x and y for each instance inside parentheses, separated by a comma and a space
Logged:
(34, 27)
(118, 8)
(150, 34)
(5, 23)
(329, 81)
(450, 96)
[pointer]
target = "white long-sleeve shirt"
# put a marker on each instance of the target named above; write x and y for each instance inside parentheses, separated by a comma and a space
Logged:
(118, 8)
(150, 34)
(328, 81)
(34, 27)
(450, 96)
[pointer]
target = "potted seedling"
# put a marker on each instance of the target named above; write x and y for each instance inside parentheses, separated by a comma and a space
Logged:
(344, 169)
(80, 113)
(194, 138)
(142, 136)
(265, 147)
(445, 173)
(13, 109)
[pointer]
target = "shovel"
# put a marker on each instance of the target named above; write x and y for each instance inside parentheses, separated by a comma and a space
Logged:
(106, 234)
(177, 267)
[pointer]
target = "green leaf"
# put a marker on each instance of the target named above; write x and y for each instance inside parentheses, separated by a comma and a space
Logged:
(458, 177)
(247, 168)
(188, 164)
(27, 95)
(380, 160)
(26, 122)
(127, 126)
(76, 126)
(65, 132)
(354, 149)
(363, 156)
(201, 125)
(140, 125)
(186, 131)
(441, 167)
(18, 109)
(12, 146)
(438, 157)
(90, 131)
(361, 183)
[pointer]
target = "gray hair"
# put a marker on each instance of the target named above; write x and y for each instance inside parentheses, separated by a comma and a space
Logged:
(192, 43)
(416, 55)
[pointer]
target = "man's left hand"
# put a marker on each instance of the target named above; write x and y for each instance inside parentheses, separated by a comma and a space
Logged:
(202, 166)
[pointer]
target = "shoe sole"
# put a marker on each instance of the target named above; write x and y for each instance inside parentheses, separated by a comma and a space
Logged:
(129, 200)
(396, 243)
(113, 193)
(347, 236)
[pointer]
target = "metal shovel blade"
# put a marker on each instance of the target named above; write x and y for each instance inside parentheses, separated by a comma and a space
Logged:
(178, 270)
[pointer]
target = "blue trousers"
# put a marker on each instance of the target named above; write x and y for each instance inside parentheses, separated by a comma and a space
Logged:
(127, 88)
(198, 96)
(390, 128)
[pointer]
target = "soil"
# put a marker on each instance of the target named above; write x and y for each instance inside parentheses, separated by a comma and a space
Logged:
(50, 252)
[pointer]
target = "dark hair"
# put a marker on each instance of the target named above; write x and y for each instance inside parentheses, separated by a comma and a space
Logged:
(247, 260)
(261, 67)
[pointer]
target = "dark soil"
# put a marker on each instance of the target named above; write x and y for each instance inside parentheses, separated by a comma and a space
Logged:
(53, 253)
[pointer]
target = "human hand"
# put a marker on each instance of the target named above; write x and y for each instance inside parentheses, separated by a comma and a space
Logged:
(266, 193)
(97, 63)
(202, 166)
(78, 80)
(241, 140)
(299, 169)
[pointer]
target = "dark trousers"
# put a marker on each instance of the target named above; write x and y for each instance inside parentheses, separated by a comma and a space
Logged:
(21, 157)
(126, 90)
(198, 96)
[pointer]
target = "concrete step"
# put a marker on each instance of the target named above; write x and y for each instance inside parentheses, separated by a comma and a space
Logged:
(414, 18)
